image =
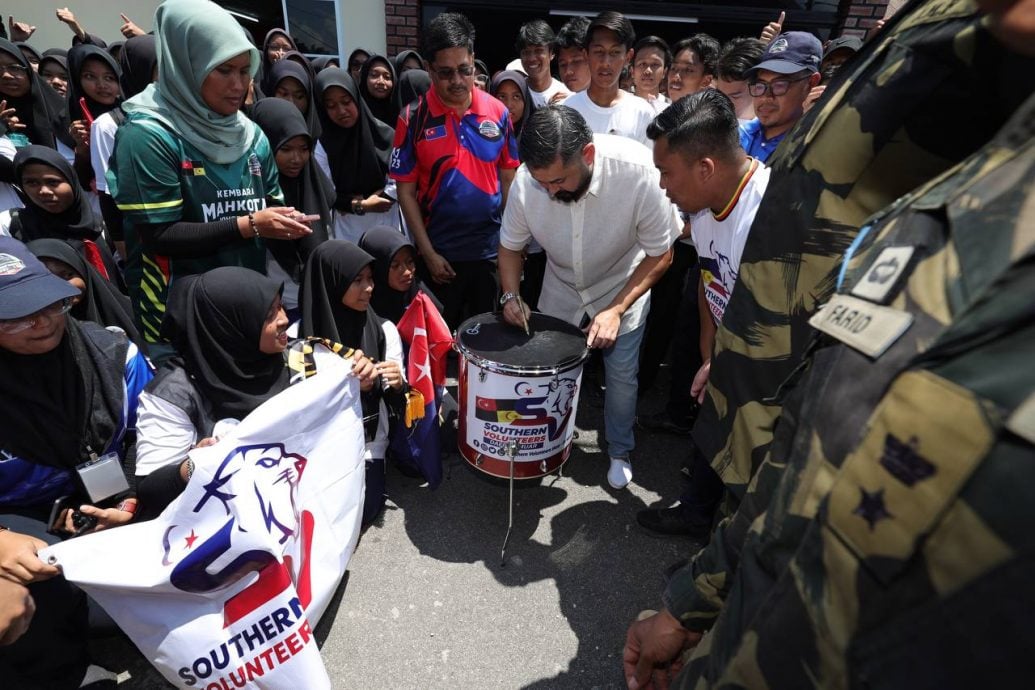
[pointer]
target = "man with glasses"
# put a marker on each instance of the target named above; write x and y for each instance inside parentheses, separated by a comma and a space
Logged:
(535, 48)
(779, 85)
(607, 108)
(454, 160)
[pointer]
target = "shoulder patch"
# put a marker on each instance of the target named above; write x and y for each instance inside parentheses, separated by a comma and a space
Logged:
(881, 277)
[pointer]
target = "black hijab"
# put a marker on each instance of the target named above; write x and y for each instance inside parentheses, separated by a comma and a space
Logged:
(328, 274)
(76, 222)
(321, 63)
(265, 64)
(383, 243)
(101, 302)
(138, 60)
(115, 49)
(77, 58)
(412, 85)
(348, 63)
(402, 57)
(59, 60)
(359, 155)
(42, 110)
(58, 404)
(23, 46)
(215, 320)
(386, 109)
(286, 68)
(522, 84)
(310, 192)
(60, 52)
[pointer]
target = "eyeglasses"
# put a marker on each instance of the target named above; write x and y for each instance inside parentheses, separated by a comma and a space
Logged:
(12, 326)
(776, 87)
(447, 73)
(14, 70)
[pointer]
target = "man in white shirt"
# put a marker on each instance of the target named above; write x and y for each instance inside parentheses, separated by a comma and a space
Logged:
(705, 172)
(606, 108)
(535, 48)
(594, 204)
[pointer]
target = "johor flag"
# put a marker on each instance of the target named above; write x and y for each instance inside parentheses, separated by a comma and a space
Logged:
(427, 339)
(224, 588)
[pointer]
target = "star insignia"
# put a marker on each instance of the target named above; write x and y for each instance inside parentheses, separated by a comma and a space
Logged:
(425, 371)
(871, 507)
(190, 539)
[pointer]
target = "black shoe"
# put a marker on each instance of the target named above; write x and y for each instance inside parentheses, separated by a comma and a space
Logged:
(669, 522)
(662, 421)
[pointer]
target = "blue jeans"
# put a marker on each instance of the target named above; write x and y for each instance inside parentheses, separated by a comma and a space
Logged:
(621, 364)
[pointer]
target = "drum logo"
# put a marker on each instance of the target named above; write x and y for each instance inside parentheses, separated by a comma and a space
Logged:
(548, 405)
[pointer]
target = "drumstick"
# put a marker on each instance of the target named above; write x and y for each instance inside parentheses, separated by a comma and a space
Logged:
(524, 319)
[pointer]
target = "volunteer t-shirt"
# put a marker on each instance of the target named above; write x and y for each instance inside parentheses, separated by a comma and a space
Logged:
(158, 177)
(720, 238)
(628, 117)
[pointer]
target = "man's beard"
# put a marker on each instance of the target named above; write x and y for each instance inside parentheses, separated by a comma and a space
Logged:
(580, 191)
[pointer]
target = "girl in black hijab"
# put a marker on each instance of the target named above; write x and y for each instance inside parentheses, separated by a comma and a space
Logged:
(395, 272)
(42, 114)
(321, 63)
(99, 301)
(54, 71)
(305, 186)
(93, 90)
(407, 60)
(355, 62)
(413, 84)
(293, 82)
(377, 84)
(276, 44)
(138, 62)
(511, 88)
(60, 211)
(336, 290)
(358, 147)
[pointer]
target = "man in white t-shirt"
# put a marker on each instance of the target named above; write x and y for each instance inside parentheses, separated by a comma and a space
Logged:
(594, 204)
(606, 108)
(705, 172)
(535, 48)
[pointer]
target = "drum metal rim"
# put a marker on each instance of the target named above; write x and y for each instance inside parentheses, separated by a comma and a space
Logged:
(514, 370)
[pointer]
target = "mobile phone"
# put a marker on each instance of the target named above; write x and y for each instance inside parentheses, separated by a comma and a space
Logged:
(80, 522)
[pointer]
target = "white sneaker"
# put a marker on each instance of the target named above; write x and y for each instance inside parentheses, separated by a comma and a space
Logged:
(620, 473)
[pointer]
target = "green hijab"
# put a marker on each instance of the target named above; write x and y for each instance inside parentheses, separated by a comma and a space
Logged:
(193, 37)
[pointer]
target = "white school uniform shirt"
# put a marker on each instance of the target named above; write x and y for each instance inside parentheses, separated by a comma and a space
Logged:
(594, 245)
(102, 143)
(720, 239)
(542, 98)
(628, 117)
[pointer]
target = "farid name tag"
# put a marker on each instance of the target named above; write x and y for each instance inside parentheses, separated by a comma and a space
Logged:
(869, 328)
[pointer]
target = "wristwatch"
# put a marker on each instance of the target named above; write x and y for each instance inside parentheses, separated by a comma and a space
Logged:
(507, 296)
(357, 207)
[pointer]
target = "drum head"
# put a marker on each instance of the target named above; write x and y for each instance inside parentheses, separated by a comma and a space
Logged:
(551, 341)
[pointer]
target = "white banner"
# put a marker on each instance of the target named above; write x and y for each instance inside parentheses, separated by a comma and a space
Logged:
(223, 590)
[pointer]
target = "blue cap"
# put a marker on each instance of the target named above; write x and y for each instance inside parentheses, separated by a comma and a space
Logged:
(26, 286)
(791, 52)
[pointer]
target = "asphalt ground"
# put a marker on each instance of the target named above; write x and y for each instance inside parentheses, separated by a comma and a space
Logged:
(426, 602)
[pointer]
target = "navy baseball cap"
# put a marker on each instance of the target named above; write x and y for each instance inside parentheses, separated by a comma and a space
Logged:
(26, 286)
(791, 52)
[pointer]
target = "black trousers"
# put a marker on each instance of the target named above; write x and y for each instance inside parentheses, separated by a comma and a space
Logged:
(472, 291)
(53, 653)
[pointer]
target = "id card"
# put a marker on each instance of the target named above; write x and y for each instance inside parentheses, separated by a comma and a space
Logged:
(103, 478)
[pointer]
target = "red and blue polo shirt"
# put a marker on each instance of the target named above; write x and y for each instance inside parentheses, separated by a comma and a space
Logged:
(455, 163)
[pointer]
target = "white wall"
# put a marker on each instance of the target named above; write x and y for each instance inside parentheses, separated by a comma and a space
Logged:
(100, 17)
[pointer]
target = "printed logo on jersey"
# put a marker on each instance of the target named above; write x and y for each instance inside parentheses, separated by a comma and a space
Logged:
(489, 130)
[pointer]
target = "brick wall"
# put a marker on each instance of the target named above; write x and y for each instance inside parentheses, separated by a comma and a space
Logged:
(859, 16)
(402, 23)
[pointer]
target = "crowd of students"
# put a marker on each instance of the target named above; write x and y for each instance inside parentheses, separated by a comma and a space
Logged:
(186, 207)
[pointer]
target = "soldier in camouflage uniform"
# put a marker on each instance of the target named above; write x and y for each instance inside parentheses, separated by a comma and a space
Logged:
(887, 539)
(928, 91)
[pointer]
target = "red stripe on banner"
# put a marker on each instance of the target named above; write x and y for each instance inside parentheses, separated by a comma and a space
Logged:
(273, 579)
